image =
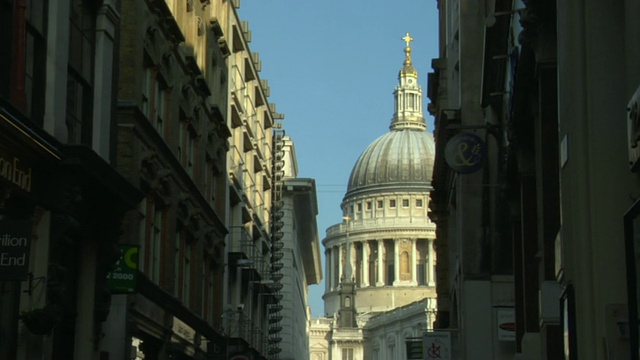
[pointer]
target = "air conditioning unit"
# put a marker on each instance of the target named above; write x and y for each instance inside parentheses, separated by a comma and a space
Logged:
(633, 130)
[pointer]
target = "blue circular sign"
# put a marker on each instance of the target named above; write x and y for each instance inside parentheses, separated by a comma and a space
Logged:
(465, 153)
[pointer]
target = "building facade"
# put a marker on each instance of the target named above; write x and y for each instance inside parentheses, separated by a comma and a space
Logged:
(539, 238)
(141, 168)
(62, 201)
(172, 144)
(382, 257)
(301, 257)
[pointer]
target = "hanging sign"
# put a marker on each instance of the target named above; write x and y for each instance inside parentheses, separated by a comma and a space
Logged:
(123, 278)
(15, 246)
(465, 153)
(437, 345)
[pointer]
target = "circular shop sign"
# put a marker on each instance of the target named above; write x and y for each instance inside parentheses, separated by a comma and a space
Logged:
(465, 153)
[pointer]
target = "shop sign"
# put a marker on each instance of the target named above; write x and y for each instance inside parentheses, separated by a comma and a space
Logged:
(506, 323)
(123, 278)
(15, 170)
(184, 331)
(15, 246)
(465, 153)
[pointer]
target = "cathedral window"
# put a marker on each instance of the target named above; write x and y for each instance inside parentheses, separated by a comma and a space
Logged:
(421, 273)
(419, 203)
(392, 203)
(380, 204)
(405, 203)
(347, 354)
(368, 205)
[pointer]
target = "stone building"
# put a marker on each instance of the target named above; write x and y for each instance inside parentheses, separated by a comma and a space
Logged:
(200, 137)
(141, 168)
(62, 202)
(172, 144)
(538, 244)
(301, 260)
(381, 256)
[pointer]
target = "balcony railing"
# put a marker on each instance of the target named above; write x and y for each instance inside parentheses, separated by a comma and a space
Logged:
(243, 242)
(239, 325)
(380, 224)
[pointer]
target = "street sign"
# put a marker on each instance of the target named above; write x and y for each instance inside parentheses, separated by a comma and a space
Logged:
(437, 345)
(123, 278)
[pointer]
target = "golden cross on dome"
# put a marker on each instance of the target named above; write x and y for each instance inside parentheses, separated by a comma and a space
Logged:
(407, 39)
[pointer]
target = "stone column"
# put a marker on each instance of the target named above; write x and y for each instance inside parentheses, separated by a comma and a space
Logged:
(352, 259)
(396, 263)
(327, 262)
(380, 281)
(431, 278)
(365, 263)
(340, 264)
(414, 252)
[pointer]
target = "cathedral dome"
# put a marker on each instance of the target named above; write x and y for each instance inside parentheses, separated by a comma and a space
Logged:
(400, 159)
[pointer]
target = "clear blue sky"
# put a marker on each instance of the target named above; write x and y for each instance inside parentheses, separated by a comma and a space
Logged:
(332, 67)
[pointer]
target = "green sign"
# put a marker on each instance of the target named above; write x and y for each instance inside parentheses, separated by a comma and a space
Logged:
(122, 278)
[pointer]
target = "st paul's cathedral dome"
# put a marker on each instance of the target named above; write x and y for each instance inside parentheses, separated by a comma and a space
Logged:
(402, 158)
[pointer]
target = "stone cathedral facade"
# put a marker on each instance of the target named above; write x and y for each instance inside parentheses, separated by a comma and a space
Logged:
(380, 259)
